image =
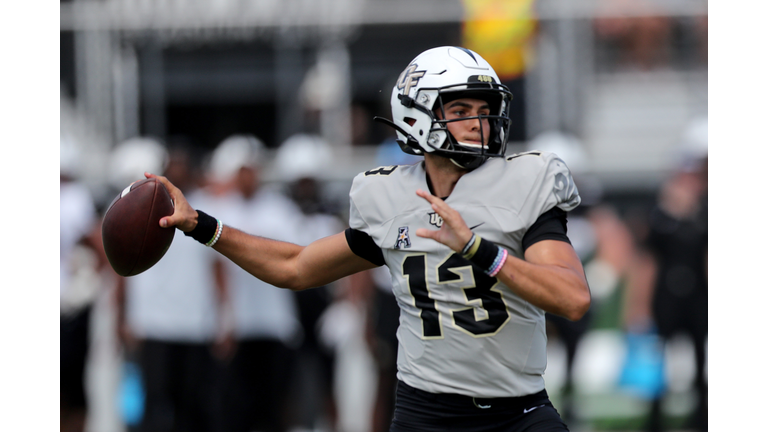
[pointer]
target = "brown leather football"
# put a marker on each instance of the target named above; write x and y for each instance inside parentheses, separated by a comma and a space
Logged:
(131, 233)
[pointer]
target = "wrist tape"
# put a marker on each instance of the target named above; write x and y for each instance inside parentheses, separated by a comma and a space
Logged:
(486, 255)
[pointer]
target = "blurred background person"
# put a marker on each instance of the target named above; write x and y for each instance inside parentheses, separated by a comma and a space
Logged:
(174, 316)
(256, 379)
(678, 240)
(78, 249)
(668, 293)
(300, 163)
(502, 32)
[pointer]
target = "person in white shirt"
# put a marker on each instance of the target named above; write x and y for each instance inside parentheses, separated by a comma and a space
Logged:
(77, 220)
(172, 320)
(266, 323)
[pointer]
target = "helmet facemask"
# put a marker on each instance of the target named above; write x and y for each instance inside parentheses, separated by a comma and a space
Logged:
(466, 155)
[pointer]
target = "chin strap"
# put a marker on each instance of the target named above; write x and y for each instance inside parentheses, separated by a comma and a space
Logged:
(470, 163)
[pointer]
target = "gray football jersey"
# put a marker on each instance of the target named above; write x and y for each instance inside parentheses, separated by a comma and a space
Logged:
(462, 331)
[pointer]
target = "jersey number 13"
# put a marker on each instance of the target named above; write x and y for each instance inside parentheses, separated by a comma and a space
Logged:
(477, 291)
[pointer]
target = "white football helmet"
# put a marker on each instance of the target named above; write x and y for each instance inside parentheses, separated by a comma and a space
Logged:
(235, 152)
(303, 156)
(133, 157)
(434, 78)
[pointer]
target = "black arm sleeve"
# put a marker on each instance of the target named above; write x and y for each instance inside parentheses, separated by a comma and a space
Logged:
(363, 246)
(551, 225)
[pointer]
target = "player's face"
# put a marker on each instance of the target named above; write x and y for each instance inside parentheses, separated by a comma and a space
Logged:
(247, 181)
(470, 132)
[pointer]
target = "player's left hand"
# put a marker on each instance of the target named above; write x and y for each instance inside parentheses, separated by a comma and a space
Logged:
(454, 233)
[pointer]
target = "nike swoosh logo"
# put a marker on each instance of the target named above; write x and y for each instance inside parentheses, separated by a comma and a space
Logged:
(527, 410)
(471, 228)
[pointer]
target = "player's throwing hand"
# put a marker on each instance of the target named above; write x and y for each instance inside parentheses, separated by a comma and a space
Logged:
(454, 232)
(184, 216)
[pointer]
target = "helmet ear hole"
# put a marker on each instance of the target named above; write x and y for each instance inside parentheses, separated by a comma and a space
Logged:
(410, 120)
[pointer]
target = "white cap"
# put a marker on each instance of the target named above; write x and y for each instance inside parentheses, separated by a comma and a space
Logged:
(133, 157)
(567, 147)
(233, 153)
(303, 156)
(571, 150)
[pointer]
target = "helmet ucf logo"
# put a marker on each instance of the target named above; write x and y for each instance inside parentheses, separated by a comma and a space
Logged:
(409, 78)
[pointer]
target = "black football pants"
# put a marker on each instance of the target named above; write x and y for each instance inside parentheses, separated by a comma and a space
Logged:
(417, 410)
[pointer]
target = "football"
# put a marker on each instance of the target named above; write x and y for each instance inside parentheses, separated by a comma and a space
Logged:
(131, 233)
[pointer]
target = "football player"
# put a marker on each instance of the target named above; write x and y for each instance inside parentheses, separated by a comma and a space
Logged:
(475, 242)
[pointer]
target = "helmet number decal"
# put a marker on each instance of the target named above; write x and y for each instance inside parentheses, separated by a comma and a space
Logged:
(482, 79)
(409, 78)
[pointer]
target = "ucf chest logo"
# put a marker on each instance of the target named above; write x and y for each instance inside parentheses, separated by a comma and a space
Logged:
(435, 219)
